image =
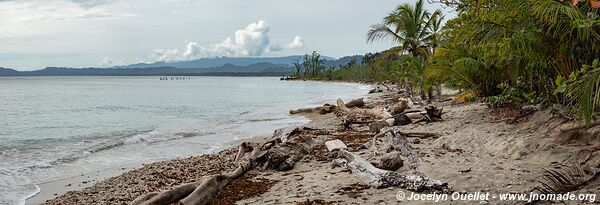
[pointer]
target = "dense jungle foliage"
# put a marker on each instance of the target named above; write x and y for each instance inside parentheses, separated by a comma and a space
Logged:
(507, 52)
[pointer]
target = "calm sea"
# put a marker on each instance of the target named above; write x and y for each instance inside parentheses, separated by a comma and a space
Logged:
(53, 128)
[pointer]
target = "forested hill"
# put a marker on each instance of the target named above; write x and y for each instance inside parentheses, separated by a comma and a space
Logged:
(275, 66)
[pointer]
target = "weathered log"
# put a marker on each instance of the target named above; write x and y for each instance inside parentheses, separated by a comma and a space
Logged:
(400, 144)
(411, 111)
(433, 113)
(283, 157)
(170, 196)
(200, 192)
(141, 199)
(327, 108)
(334, 145)
(321, 109)
(213, 184)
(356, 103)
(420, 135)
(242, 150)
(378, 125)
(283, 134)
(375, 90)
(414, 115)
(377, 113)
(399, 107)
(378, 178)
(374, 142)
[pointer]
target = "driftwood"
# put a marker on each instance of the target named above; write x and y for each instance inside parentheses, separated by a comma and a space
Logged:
(400, 143)
(282, 134)
(281, 153)
(334, 145)
(284, 153)
(414, 115)
(431, 114)
(420, 135)
(379, 178)
(360, 102)
(376, 113)
(399, 108)
(321, 109)
(376, 126)
(244, 147)
(327, 108)
(200, 192)
(375, 90)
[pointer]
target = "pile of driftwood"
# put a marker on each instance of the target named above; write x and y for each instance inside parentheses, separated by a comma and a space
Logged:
(356, 112)
(287, 147)
(394, 115)
(382, 174)
(328, 108)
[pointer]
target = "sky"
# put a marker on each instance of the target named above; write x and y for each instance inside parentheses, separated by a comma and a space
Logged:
(101, 33)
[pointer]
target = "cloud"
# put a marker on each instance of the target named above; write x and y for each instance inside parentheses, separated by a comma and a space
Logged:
(253, 40)
(297, 43)
(91, 3)
(82, 3)
(108, 62)
(167, 55)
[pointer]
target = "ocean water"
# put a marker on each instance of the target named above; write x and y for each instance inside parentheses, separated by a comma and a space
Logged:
(53, 128)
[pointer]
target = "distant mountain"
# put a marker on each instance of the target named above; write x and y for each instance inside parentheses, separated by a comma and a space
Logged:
(343, 61)
(7, 72)
(220, 61)
(259, 69)
(274, 66)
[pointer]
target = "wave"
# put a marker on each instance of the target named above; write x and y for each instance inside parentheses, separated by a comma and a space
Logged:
(265, 119)
(149, 137)
(23, 200)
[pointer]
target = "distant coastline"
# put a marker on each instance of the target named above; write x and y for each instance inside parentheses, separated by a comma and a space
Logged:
(275, 66)
(261, 70)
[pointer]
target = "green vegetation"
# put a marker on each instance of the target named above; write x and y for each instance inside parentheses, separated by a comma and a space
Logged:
(417, 33)
(313, 68)
(523, 51)
(507, 52)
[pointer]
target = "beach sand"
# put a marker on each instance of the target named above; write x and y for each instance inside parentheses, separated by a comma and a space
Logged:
(477, 151)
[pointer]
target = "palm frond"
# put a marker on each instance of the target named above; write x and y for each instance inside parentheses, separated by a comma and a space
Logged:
(585, 93)
(382, 32)
(565, 179)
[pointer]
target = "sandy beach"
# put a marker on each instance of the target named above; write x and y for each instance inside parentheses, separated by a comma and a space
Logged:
(477, 150)
(175, 102)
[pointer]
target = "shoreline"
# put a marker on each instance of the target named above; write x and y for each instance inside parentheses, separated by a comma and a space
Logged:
(52, 189)
(476, 149)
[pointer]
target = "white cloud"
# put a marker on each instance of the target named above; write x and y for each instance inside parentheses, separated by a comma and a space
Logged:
(167, 55)
(253, 40)
(108, 62)
(91, 3)
(297, 43)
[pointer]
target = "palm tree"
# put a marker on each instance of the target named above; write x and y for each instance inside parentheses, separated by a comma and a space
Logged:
(414, 29)
(409, 27)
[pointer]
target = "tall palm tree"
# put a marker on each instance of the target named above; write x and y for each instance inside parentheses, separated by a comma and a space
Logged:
(409, 27)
